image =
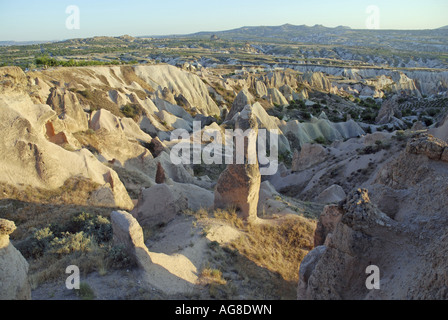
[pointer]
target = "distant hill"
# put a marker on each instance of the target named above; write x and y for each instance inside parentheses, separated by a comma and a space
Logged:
(21, 43)
(443, 28)
(409, 40)
(283, 31)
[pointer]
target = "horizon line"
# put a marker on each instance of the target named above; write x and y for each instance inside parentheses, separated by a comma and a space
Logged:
(219, 31)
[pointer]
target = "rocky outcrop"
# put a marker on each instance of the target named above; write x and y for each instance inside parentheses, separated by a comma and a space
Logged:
(159, 205)
(30, 159)
(160, 174)
(172, 273)
(278, 79)
(128, 233)
(14, 284)
(156, 147)
(387, 111)
(261, 89)
(311, 154)
(276, 97)
(307, 266)
(355, 244)
(405, 239)
(428, 145)
(271, 124)
(69, 110)
(13, 79)
(404, 84)
(328, 220)
(181, 82)
(162, 202)
(317, 80)
(308, 132)
(441, 131)
(239, 185)
(333, 194)
(243, 99)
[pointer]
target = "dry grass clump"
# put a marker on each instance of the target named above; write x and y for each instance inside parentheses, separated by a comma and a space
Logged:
(279, 246)
(263, 263)
(89, 139)
(230, 216)
(202, 213)
(130, 76)
(209, 275)
(75, 190)
(140, 94)
(98, 99)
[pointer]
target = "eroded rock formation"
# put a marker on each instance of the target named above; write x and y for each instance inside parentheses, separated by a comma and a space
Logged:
(406, 238)
(14, 284)
(239, 185)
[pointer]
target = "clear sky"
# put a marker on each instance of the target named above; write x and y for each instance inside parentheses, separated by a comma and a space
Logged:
(23, 20)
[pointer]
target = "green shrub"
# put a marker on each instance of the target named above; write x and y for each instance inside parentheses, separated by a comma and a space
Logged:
(433, 112)
(132, 111)
(320, 140)
(71, 243)
(119, 258)
(96, 226)
(36, 245)
(306, 115)
(86, 94)
(285, 157)
(85, 292)
(76, 235)
(428, 121)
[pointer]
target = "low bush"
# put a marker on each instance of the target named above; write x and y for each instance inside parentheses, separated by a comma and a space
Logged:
(132, 111)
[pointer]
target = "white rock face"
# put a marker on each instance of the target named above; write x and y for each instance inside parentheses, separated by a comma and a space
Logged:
(170, 273)
(14, 284)
(177, 80)
(161, 203)
(321, 128)
(442, 131)
(333, 194)
(28, 158)
(310, 155)
(174, 122)
(243, 99)
(127, 232)
(276, 97)
(261, 89)
(174, 109)
(317, 80)
(71, 114)
(416, 82)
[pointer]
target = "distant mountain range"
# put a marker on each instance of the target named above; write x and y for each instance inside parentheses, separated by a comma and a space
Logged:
(267, 31)
(435, 40)
(286, 32)
(289, 31)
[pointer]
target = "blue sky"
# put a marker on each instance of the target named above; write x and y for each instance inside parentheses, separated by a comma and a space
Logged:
(23, 20)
